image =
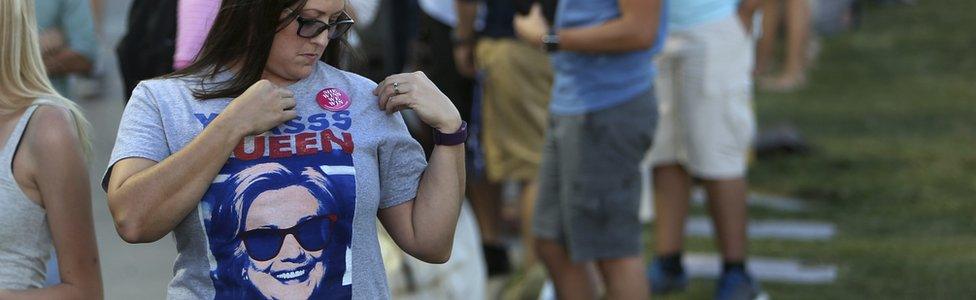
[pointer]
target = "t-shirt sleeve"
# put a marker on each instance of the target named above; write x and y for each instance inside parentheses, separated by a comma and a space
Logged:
(401, 163)
(140, 131)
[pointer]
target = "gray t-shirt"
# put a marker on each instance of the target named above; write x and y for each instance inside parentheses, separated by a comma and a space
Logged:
(292, 214)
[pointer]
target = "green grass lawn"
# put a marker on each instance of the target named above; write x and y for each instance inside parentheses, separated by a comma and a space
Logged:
(891, 112)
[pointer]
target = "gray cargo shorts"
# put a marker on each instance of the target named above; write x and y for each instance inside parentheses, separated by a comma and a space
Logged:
(590, 181)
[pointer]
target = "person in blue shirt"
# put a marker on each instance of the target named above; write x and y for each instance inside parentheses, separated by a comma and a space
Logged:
(67, 37)
(706, 129)
(602, 118)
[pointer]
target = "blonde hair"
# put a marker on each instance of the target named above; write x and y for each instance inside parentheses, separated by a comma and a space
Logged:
(23, 78)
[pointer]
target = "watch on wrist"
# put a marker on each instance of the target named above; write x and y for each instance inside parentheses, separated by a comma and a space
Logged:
(450, 139)
(550, 41)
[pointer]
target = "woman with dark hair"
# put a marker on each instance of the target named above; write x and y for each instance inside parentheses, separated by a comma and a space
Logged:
(210, 153)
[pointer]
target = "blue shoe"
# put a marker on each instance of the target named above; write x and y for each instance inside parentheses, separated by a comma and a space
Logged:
(738, 285)
(664, 283)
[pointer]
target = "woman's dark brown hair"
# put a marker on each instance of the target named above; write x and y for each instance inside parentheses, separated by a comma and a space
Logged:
(242, 36)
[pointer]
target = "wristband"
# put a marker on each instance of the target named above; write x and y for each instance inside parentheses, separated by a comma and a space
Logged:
(451, 139)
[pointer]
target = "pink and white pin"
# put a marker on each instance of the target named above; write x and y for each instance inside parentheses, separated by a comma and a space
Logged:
(333, 99)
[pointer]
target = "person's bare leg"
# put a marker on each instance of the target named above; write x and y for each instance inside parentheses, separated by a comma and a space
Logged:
(96, 8)
(672, 190)
(485, 202)
(727, 205)
(765, 48)
(793, 75)
(624, 278)
(530, 190)
(571, 280)
(797, 18)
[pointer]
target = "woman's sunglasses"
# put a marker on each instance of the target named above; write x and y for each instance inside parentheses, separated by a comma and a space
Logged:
(312, 234)
(311, 28)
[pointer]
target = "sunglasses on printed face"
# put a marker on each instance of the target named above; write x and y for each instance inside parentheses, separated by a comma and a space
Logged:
(313, 234)
(311, 28)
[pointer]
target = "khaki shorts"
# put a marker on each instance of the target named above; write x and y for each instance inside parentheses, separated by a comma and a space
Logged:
(705, 94)
(516, 85)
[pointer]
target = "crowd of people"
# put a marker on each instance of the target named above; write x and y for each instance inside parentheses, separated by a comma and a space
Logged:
(270, 136)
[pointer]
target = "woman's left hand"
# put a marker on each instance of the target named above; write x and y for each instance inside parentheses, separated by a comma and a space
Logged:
(415, 91)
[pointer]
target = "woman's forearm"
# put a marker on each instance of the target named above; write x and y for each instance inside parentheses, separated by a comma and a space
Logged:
(66, 61)
(438, 203)
(149, 204)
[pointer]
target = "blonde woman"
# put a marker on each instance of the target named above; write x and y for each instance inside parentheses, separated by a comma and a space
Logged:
(44, 191)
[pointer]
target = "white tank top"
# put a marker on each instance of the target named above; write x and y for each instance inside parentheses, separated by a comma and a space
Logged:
(25, 238)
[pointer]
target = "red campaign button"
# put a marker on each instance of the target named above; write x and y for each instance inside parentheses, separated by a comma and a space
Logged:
(333, 99)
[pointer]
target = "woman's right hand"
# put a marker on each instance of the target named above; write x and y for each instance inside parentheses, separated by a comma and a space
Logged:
(261, 107)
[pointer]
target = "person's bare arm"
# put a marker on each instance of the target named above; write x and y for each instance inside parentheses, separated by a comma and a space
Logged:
(79, 49)
(64, 61)
(149, 199)
(53, 151)
(464, 36)
(635, 29)
(50, 40)
(424, 227)
(747, 8)
(58, 58)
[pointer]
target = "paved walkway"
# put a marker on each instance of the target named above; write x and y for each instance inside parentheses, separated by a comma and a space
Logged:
(128, 271)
